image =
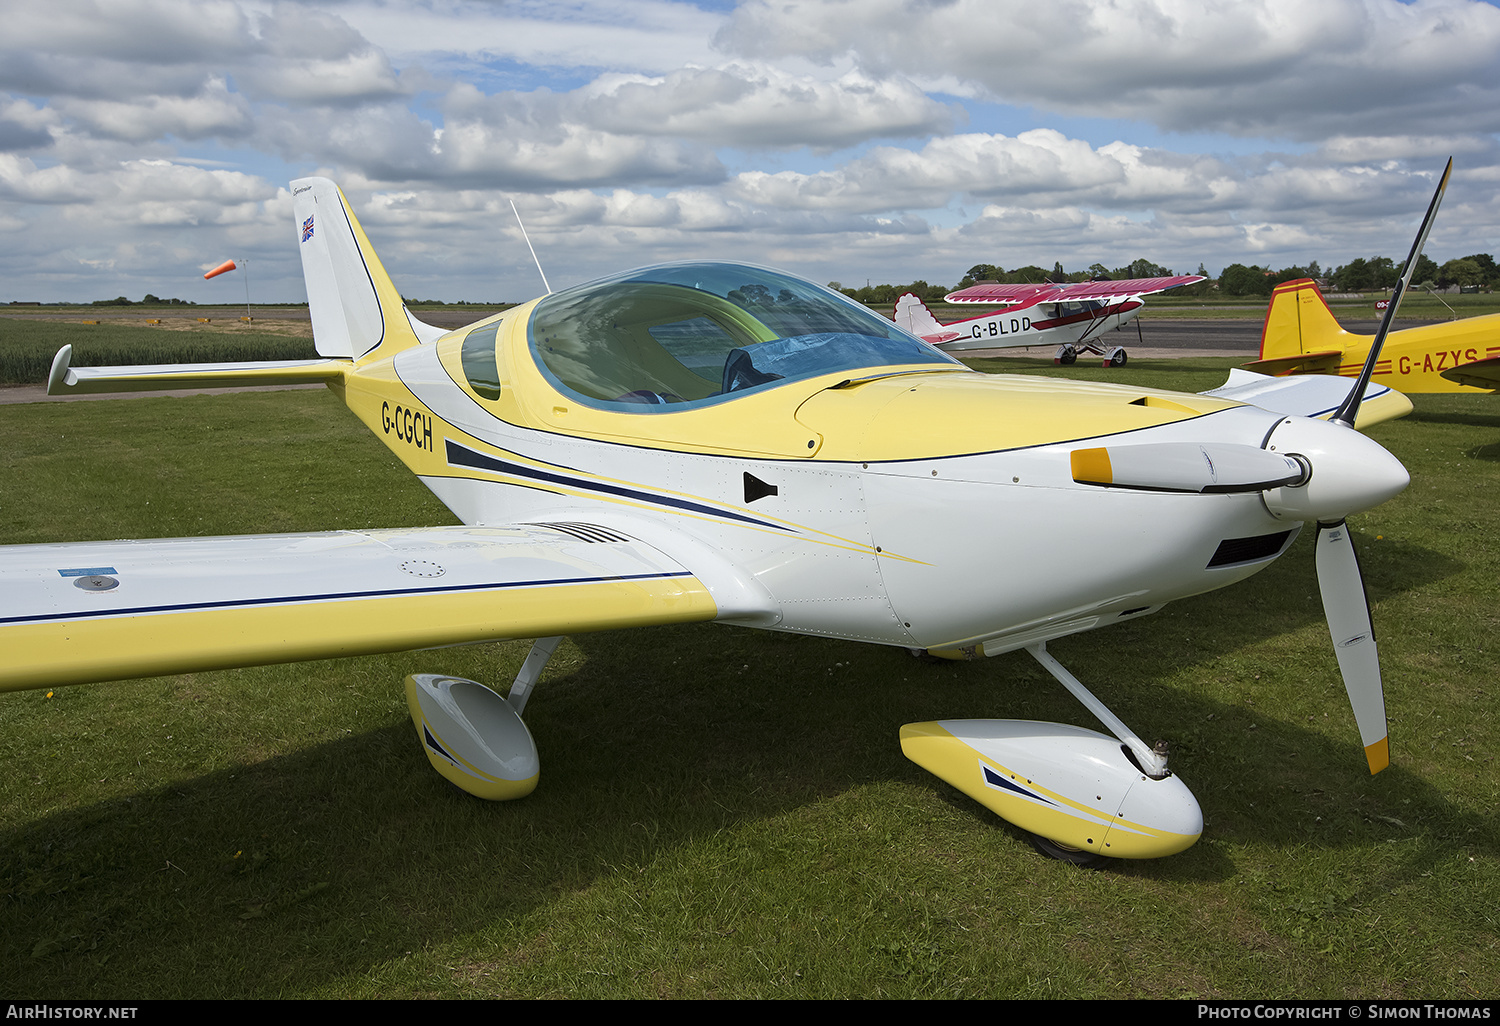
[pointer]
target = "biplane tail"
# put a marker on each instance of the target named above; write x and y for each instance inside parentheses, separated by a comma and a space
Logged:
(911, 315)
(357, 313)
(1301, 334)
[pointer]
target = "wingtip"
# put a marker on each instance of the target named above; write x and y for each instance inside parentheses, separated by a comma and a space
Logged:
(58, 375)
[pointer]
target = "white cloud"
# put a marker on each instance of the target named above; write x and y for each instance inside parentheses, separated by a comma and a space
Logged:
(1278, 67)
(759, 105)
(212, 112)
(647, 36)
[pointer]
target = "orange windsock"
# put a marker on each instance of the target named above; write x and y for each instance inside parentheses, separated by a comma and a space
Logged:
(227, 265)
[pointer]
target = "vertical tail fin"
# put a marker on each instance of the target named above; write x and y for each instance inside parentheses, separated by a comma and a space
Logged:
(356, 312)
(1298, 322)
(911, 315)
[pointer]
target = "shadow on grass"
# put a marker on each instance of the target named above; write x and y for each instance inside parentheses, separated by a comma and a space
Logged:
(1480, 417)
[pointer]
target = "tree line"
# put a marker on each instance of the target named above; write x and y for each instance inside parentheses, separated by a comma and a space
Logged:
(1376, 274)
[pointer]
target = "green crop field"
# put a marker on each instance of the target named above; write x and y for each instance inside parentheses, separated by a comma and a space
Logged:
(727, 813)
(27, 346)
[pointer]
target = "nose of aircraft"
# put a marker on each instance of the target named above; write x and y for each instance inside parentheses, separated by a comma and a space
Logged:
(1350, 473)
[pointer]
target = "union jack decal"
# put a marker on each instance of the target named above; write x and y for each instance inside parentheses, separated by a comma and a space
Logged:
(307, 228)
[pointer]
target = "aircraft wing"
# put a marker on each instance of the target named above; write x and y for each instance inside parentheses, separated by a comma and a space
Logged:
(94, 611)
(1071, 292)
(1311, 395)
(1478, 374)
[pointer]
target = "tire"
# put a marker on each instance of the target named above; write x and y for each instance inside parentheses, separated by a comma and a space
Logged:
(1118, 360)
(1068, 358)
(1063, 853)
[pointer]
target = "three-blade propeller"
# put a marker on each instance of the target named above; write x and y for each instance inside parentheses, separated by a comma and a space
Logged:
(1317, 474)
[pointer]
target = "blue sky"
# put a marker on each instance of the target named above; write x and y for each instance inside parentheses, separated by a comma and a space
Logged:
(142, 141)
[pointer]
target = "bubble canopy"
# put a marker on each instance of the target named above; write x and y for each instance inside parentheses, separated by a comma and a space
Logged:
(678, 336)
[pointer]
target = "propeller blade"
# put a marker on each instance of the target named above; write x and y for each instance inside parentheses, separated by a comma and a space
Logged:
(1349, 408)
(1348, 612)
(1187, 467)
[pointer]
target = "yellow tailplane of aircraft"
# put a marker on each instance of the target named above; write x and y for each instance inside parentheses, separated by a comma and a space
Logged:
(1302, 336)
(716, 441)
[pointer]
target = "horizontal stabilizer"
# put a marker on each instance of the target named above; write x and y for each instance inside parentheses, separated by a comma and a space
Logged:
(1478, 374)
(1324, 362)
(67, 380)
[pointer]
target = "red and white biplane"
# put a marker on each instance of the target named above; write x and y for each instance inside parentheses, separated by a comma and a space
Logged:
(1073, 316)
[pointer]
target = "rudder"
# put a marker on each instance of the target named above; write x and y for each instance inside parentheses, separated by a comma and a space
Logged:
(911, 315)
(1299, 322)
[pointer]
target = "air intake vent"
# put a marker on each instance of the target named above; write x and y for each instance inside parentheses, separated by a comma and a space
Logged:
(584, 532)
(1233, 551)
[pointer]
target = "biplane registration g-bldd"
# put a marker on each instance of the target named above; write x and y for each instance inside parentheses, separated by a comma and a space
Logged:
(712, 441)
(1073, 316)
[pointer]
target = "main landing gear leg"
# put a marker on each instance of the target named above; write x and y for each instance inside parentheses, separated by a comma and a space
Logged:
(1152, 761)
(531, 672)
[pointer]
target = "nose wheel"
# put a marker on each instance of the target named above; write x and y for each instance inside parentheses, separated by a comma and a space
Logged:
(1064, 853)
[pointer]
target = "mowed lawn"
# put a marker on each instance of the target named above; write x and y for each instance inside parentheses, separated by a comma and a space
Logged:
(727, 813)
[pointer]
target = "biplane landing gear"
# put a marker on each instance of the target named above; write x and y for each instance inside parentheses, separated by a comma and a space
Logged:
(1065, 355)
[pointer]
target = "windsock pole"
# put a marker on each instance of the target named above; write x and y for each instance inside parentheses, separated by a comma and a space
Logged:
(230, 265)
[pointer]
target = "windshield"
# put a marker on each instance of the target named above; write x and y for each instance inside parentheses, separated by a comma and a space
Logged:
(680, 335)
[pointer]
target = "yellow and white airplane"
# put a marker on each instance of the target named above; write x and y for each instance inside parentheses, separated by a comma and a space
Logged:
(716, 441)
(1301, 336)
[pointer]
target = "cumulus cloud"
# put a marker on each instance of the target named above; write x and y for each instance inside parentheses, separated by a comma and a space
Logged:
(751, 106)
(212, 112)
(1279, 67)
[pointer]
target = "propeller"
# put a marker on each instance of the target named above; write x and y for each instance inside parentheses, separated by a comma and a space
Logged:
(1306, 470)
(1349, 409)
(1342, 586)
(1348, 611)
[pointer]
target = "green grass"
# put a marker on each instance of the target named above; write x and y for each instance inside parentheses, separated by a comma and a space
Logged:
(726, 813)
(28, 345)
